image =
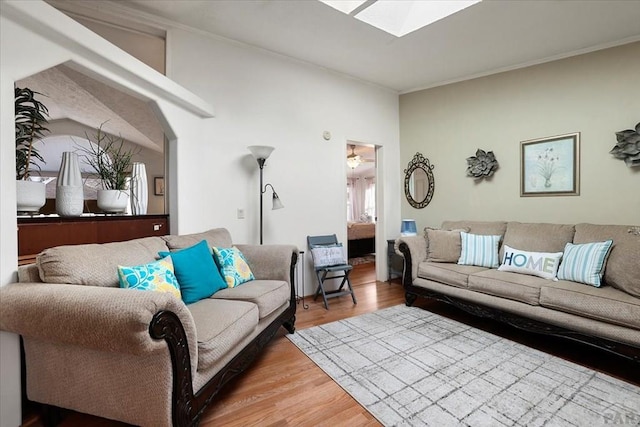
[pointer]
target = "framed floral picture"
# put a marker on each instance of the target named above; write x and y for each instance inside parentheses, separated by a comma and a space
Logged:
(550, 166)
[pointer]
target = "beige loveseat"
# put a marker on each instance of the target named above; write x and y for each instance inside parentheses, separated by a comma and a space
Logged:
(607, 317)
(142, 357)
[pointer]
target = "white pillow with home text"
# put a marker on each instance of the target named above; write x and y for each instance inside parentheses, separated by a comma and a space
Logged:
(541, 264)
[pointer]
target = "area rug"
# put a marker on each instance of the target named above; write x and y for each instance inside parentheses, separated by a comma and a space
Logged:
(367, 259)
(411, 367)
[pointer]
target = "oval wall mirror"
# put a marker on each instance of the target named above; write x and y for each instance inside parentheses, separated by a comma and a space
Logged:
(419, 184)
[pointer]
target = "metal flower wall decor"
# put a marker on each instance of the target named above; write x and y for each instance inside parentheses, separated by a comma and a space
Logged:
(482, 165)
(628, 146)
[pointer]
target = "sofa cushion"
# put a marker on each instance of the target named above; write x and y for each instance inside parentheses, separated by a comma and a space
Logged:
(451, 274)
(220, 326)
(538, 237)
(443, 245)
(215, 237)
(268, 295)
(157, 276)
(607, 304)
(479, 250)
(585, 262)
(197, 274)
(621, 270)
(96, 264)
(496, 228)
(514, 286)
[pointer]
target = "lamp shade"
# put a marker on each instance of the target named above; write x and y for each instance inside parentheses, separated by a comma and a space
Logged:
(408, 228)
(261, 151)
(277, 204)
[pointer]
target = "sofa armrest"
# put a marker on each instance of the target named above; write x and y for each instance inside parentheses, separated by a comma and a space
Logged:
(271, 262)
(414, 251)
(100, 318)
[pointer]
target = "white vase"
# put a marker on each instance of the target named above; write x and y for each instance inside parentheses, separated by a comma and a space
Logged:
(139, 189)
(30, 196)
(113, 201)
(69, 187)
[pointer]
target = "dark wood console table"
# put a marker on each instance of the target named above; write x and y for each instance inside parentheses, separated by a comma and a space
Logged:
(41, 232)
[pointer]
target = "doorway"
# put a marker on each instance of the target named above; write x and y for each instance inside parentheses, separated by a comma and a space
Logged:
(361, 205)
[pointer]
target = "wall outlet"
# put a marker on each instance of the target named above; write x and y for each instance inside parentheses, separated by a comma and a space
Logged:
(240, 213)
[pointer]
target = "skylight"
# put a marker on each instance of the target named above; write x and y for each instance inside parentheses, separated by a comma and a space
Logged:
(399, 17)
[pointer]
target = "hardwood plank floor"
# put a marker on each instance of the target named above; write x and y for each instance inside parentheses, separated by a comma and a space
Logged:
(285, 388)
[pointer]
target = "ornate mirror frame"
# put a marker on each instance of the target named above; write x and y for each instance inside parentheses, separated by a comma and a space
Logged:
(419, 162)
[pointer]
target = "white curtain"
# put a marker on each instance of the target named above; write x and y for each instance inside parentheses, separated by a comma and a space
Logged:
(370, 198)
(361, 198)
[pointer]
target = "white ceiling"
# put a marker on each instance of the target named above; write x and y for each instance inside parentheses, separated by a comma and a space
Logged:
(71, 95)
(486, 38)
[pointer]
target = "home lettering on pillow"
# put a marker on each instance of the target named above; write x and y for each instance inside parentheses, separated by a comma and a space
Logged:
(541, 264)
(518, 259)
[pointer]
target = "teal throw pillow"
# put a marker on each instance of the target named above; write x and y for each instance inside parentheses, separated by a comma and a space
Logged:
(584, 263)
(233, 266)
(156, 276)
(197, 274)
(479, 250)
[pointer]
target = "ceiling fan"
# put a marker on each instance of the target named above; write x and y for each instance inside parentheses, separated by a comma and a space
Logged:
(354, 160)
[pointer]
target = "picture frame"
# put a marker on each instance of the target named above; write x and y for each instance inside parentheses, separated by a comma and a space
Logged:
(550, 166)
(158, 186)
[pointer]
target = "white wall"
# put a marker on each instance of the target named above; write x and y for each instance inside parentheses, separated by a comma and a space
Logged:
(264, 99)
(595, 94)
(52, 38)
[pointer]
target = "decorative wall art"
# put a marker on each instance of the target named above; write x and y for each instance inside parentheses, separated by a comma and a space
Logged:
(482, 165)
(158, 185)
(550, 166)
(628, 146)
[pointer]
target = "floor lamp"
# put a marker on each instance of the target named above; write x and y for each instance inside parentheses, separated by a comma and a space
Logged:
(261, 154)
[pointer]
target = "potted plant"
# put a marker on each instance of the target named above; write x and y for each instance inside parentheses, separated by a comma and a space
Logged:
(111, 162)
(30, 122)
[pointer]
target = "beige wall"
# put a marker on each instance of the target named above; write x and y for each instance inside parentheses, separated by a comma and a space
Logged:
(148, 48)
(595, 94)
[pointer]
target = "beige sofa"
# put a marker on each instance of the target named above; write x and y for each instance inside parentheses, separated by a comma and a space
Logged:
(607, 317)
(145, 358)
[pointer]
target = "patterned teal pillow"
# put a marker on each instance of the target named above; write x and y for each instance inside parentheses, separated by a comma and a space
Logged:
(233, 266)
(584, 263)
(479, 250)
(156, 276)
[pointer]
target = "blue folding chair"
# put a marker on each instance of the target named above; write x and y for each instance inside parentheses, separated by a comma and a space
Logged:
(323, 271)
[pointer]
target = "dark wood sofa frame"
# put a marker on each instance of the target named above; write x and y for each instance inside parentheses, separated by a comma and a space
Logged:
(412, 292)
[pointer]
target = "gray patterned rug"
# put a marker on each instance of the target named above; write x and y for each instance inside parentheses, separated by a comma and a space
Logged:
(410, 367)
(367, 259)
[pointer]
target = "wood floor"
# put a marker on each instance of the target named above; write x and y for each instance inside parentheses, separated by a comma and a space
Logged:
(284, 388)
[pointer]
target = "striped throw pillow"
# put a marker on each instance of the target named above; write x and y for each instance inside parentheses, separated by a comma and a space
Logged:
(479, 250)
(584, 263)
